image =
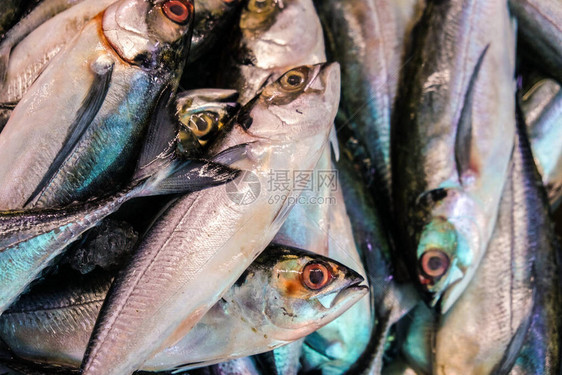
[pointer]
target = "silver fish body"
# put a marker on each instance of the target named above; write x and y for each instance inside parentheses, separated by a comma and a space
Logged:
(42, 13)
(542, 107)
(203, 242)
(103, 86)
(367, 39)
(452, 142)
(54, 324)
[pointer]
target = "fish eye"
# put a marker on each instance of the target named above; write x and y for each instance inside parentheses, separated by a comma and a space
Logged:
(434, 263)
(178, 11)
(293, 80)
(202, 124)
(316, 276)
(261, 6)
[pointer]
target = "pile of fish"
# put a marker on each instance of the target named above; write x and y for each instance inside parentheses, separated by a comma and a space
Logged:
(280, 187)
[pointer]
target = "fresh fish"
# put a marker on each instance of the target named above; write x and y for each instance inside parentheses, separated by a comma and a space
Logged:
(452, 142)
(513, 297)
(202, 243)
(26, 56)
(29, 56)
(270, 305)
(42, 12)
(276, 36)
(542, 108)
(540, 27)
(203, 113)
(367, 39)
(117, 77)
(30, 240)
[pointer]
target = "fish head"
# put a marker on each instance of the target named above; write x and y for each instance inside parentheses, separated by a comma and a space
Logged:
(295, 111)
(203, 112)
(449, 246)
(304, 291)
(281, 33)
(151, 34)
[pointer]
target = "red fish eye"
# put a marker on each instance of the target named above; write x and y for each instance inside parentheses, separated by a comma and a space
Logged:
(178, 11)
(316, 276)
(434, 263)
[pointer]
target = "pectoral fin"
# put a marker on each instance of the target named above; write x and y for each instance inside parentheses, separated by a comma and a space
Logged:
(103, 69)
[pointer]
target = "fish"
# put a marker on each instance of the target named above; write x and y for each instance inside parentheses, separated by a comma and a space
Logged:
(37, 39)
(26, 58)
(513, 296)
(202, 113)
(269, 305)
(542, 108)
(211, 238)
(121, 64)
(539, 24)
(451, 142)
(275, 37)
(367, 37)
(540, 353)
(40, 14)
(31, 240)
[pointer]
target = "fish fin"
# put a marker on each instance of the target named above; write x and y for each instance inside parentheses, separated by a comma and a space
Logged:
(463, 141)
(88, 110)
(186, 176)
(232, 155)
(334, 142)
(159, 145)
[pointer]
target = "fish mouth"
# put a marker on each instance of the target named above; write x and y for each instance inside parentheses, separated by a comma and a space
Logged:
(350, 293)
